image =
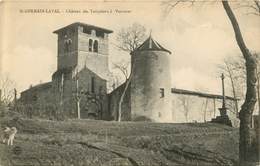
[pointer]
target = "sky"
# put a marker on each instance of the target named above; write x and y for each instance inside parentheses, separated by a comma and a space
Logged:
(199, 37)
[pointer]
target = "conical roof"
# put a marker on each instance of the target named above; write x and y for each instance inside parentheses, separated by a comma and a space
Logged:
(150, 45)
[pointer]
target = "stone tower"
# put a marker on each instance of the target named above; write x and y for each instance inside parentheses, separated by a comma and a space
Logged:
(151, 82)
(82, 45)
(82, 66)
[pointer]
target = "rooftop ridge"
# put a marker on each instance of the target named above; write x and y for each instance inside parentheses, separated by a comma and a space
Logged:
(150, 45)
(83, 24)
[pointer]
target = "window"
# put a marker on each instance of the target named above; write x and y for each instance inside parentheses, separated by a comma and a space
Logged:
(100, 34)
(35, 98)
(90, 45)
(100, 89)
(93, 84)
(67, 43)
(66, 47)
(96, 46)
(86, 30)
(162, 92)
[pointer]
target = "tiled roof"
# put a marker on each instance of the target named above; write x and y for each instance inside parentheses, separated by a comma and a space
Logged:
(151, 45)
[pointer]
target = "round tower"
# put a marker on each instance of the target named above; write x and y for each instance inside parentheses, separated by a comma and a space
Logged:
(151, 82)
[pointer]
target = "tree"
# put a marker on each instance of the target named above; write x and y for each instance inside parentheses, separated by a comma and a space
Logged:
(235, 70)
(252, 7)
(7, 87)
(245, 115)
(129, 39)
(122, 66)
(185, 102)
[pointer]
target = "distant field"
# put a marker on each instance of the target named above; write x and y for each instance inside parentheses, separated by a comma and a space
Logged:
(94, 143)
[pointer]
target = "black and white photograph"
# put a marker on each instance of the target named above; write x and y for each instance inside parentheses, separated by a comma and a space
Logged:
(130, 83)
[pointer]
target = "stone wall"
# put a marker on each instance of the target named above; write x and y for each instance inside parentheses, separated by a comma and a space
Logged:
(37, 100)
(114, 98)
(67, 57)
(94, 97)
(192, 108)
(77, 53)
(95, 61)
(151, 86)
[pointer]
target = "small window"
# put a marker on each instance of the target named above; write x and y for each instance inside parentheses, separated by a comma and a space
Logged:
(67, 43)
(86, 30)
(96, 46)
(159, 114)
(100, 34)
(90, 45)
(93, 84)
(100, 89)
(35, 98)
(162, 92)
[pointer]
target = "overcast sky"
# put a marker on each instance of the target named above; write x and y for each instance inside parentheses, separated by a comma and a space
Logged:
(199, 37)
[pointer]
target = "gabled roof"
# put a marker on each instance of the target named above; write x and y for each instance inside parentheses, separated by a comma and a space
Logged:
(42, 86)
(90, 71)
(151, 45)
(85, 25)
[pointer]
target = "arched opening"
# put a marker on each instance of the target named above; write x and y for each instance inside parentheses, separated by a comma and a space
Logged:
(96, 46)
(90, 45)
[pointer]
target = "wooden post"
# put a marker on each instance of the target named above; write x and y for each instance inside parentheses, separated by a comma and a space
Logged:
(77, 96)
(205, 110)
(223, 91)
(61, 88)
(15, 99)
(214, 103)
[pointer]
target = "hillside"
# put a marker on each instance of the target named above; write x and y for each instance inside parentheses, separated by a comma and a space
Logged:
(94, 143)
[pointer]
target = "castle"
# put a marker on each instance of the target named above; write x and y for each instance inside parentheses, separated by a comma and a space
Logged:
(79, 86)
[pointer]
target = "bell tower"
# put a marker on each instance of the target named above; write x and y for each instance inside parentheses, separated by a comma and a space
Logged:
(82, 45)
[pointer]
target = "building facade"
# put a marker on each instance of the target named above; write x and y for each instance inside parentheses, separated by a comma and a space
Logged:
(79, 84)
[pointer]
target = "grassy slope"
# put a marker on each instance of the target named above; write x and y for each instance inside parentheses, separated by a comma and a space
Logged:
(85, 142)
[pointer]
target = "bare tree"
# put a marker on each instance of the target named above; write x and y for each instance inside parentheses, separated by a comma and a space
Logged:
(185, 102)
(245, 141)
(129, 39)
(122, 66)
(7, 87)
(234, 68)
(252, 7)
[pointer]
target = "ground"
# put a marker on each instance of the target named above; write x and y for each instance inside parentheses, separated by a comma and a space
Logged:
(94, 143)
